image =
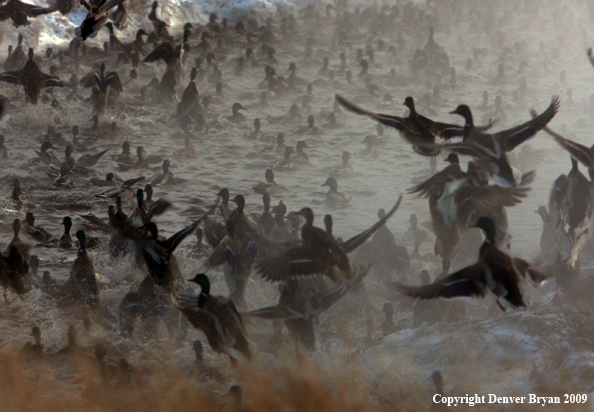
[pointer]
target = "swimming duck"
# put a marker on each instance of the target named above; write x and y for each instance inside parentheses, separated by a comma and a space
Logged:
(126, 155)
(218, 318)
(236, 116)
(333, 196)
(95, 18)
(416, 129)
(189, 151)
(31, 78)
(64, 180)
(310, 129)
(293, 117)
(495, 271)
(288, 162)
(165, 178)
(344, 170)
(100, 82)
(107, 182)
(269, 186)
(45, 156)
(318, 253)
(36, 232)
(257, 133)
(65, 241)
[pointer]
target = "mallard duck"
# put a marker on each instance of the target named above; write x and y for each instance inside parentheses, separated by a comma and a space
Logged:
(65, 241)
(15, 264)
(236, 116)
(64, 180)
(495, 271)
(218, 318)
(344, 170)
(571, 206)
(237, 259)
(269, 186)
(31, 78)
(416, 129)
(126, 155)
(102, 85)
(301, 157)
(82, 283)
(94, 222)
(189, 151)
(36, 232)
(45, 156)
(162, 179)
(333, 196)
(257, 133)
(189, 110)
(153, 18)
(293, 117)
(16, 57)
(243, 225)
(489, 150)
(310, 128)
(107, 182)
(280, 145)
(95, 18)
(301, 301)
(318, 253)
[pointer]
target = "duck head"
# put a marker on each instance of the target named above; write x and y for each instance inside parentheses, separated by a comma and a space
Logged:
(202, 280)
(307, 214)
(464, 111)
(332, 184)
(487, 225)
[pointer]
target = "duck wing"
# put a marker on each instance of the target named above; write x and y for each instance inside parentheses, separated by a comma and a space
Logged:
(580, 152)
(356, 241)
(511, 138)
(294, 262)
(467, 282)
(438, 181)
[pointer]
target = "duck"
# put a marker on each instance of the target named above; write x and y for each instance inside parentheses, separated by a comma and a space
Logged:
(293, 117)
(301, 302)
(237, 261)
(495, 271)
(218, 318)
(82, 283)
(318, 253)
(16, 57)
(64, 180)
(301, 157)
(333, 196)
(189, 110)
(107, 182)
(288, 163)
(165, 178)
(45, 156)
(95, 19)
(126, 155)
(310, 128)
(31, 78)
(257, 133)
(15, 264)
(119, 17)
(416, 129)
(489, 150)
(36, 232)
(188, 152)
(65, 241)
(280, 145)
(102, 85)
(3, 150)
(236, 116)
(344, 170)
(269, 186)
(244, 227)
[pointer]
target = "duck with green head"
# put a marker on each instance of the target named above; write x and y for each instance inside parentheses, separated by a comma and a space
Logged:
(218, 318)
(495, 271)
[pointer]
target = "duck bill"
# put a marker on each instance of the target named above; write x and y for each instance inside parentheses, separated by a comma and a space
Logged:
(453, 112)
(191, 280)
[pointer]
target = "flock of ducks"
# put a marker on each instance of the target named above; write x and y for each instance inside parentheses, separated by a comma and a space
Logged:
(313, 269)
